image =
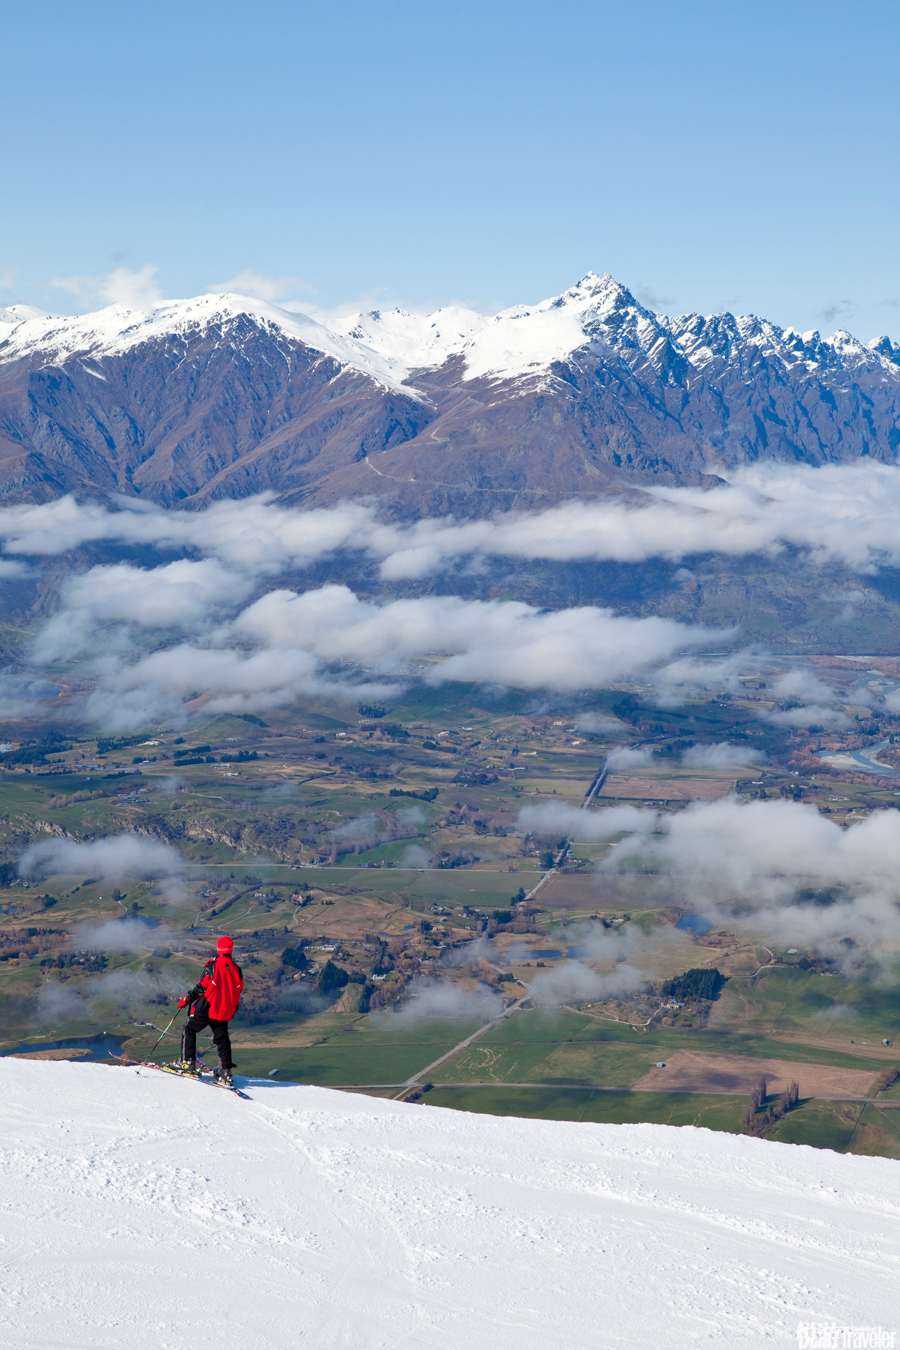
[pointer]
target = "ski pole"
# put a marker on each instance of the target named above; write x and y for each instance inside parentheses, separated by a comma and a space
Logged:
(174, 1015)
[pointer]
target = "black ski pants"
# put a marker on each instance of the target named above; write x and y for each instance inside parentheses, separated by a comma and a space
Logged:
(199, 1019)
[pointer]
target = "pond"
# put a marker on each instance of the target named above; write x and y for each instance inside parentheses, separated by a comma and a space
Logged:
(694, 923)
(98, 1047)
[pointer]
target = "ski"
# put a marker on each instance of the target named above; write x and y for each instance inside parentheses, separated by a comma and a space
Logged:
(217, 1083)
(194, 1077)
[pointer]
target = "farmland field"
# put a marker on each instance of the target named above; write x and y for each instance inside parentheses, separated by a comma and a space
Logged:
(398, 856)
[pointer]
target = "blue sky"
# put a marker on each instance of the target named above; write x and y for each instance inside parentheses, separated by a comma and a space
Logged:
(731, 155)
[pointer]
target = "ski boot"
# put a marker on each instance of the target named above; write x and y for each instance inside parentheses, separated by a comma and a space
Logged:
(185, 1066)
(223, 1076)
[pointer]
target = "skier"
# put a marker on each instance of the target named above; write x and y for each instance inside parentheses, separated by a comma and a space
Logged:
(217, 995)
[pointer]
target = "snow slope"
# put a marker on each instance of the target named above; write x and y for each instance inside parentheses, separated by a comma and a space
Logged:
(143, 1211)
(518, 342)
(597, 315)
(117, 329)
(419, 340)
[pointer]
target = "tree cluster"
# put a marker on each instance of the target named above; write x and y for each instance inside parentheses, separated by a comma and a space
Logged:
(88, 961)
(53, 744)
(885, 1079)
(698, 982)
(786, 1101)
(295, 957)
(331, 977)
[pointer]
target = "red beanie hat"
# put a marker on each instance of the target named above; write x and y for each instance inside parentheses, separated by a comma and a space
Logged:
(224, 944)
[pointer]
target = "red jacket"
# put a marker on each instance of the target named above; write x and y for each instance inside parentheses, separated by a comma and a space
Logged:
(221, 984)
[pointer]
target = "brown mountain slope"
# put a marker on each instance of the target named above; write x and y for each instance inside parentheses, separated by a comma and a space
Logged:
(181, 408)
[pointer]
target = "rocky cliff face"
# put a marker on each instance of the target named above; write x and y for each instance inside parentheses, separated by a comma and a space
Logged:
(583, 394)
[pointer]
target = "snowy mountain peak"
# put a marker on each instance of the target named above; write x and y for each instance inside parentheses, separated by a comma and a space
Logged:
(388, 346)
(597, 316)
(416, 340)
(598, 312)
(117, 329)
(592, 285)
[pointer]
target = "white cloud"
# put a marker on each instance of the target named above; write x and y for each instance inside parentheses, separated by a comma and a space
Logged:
(253, 534)
(623, 759)
(761, 861)
(130, 988)
(282, 644)
(600, 726)
(503, 642)
(118, 935)
(286, 643)
(760, 858)
(152, 689)
(573, 981)
(805, 684)
(134, 290)
(415, 856)
(179, 594)
(721, 756)
(21, 695)
(831, 719)
(844, 513)
(440, 998)
(691, 676)
(262, 285)
(120, 855)
(560, 820)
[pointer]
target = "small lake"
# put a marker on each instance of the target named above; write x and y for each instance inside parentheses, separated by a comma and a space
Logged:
(98, 1047)
(549, 952)
(576, 953)
(694, 923)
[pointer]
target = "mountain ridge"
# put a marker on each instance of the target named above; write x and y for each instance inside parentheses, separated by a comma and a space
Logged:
(586, 393)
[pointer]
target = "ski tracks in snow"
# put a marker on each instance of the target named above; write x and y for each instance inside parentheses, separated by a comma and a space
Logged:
(138, 1209)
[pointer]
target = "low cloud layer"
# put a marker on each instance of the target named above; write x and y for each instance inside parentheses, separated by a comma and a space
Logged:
(560, 820)
(844, 513)
(120, 855)
(326, 641)
(779, 867)
(575, 982)
(180, 595)
(830, 719)
(440, 998)
(723, 755)
(766, 849)
(623, 759)
(505, 642)
(124, 990)
(119, 935)
(213, 639)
